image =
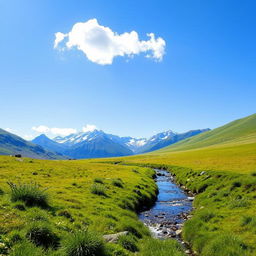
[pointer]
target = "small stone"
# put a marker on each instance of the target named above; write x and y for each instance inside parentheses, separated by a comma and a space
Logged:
(112, 238)
(178, 232)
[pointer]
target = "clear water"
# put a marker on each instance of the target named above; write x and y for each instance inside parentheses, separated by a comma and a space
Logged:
(172, 204)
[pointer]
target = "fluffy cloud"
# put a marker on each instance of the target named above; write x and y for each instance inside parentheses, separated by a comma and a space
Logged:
(100, 44)
(89, 128)
(41, 129)
(55, 131)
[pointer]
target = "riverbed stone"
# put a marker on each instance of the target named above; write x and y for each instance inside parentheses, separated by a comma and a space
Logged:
(112, 238)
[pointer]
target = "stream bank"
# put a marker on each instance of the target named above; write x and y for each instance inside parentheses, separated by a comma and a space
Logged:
(173, 206)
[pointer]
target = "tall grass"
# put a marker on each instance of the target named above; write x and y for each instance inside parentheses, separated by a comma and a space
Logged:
(30, 194)
(42, 234)
(98, 189)
(224, 245)
(155, 247)
(25, 248)
(83, 243)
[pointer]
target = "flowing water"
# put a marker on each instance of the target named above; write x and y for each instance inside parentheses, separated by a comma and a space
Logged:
(166, 217)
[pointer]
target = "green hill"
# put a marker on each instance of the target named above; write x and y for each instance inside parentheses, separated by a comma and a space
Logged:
(237, 132)
(11, 144)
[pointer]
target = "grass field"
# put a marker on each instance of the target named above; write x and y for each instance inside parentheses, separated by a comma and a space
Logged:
(87, 199)
(100, 198)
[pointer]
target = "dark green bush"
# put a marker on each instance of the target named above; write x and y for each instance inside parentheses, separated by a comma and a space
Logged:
(30, 194)
(42, 235)
(83, 244)
(118, 183)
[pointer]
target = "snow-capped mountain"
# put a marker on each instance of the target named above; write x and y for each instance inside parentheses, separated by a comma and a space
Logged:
(79, 137)
(167, 138)
(97, 143)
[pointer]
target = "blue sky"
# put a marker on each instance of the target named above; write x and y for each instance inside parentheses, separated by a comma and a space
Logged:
(206, 78)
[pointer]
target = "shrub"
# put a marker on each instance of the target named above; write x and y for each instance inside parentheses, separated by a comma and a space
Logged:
(26, 249)
(128, 242)
(83, 244)
(98, 189)
(118, 183)
(99, 180)
(42, 235)
(30, 194)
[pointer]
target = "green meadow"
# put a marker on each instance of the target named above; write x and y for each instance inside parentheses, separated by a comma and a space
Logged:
(66, 207)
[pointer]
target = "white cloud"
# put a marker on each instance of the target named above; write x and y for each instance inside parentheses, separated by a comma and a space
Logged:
(100, 44)
(58, 38)
(89, 128)
(54, 131)
(41, 128)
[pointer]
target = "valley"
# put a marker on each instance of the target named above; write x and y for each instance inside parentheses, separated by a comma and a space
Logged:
(102, 197)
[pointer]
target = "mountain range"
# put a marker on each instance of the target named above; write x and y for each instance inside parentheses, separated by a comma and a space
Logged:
(97, 143)
(92, 144)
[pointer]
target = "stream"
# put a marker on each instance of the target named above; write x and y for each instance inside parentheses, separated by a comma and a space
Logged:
(165, 219)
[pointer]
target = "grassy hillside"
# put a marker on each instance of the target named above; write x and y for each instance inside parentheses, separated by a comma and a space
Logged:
(231, 147)
(83, 202)
(237, 132)
(11, 144)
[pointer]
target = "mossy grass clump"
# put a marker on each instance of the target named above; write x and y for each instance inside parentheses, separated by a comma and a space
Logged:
(99, 180)
(117, 183)
(30, 194)
(41, 234)
(65, 214)
(128, 242)
(19, 206)
(83, 243)
(98, 189)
